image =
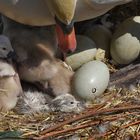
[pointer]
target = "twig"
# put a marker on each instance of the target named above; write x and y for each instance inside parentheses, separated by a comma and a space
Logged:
(57, 133)
(90, 138)
(122, 127)
(89, 124)
(126, 76)
(130, 124)
(79, 117)
(89, 114)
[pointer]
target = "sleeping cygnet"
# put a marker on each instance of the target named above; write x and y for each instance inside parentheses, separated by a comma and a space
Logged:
(38, 102)
(66, 103)
(10, 88)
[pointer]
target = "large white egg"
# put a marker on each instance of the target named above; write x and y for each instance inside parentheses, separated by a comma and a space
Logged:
(91, 80)
(101, 36)
(85, 52)
(125, 46)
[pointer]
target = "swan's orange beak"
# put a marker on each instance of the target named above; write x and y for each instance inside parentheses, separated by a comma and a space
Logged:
(66, 38)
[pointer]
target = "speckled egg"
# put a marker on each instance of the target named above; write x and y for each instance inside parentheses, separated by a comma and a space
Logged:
(85, 52)
(125, 46)
(101, 35)
(91, 80)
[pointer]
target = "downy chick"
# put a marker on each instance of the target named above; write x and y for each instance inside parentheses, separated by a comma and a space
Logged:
(37, 102)
(66, 103)
(10, 88)
(36, 48)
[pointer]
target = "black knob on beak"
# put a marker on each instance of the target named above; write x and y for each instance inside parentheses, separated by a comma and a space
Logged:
(66, 28)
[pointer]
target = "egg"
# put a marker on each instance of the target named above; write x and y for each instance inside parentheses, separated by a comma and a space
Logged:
(91, 80)
(85, 52)
(125, 45)
(101, 35)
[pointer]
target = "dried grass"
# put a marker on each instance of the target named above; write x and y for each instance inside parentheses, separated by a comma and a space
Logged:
(114, 125)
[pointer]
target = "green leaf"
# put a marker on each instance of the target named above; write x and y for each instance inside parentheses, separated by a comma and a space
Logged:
(10, 134)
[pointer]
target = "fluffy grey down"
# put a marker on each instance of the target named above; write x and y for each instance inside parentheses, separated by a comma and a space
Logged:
(37, 102)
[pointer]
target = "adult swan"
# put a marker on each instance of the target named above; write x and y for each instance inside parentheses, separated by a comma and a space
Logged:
(63, 13)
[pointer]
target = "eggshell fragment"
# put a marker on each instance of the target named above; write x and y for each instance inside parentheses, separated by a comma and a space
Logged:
(85, 52)
(125, 45)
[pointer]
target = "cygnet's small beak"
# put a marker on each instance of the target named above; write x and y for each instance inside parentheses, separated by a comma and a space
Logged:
(12, 55)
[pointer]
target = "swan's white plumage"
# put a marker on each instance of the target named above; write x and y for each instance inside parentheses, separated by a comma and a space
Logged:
(38, 12)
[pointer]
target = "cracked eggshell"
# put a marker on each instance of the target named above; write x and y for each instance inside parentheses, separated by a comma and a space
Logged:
(91, 80)
(85, 52)
(125, 45)
(101, 36)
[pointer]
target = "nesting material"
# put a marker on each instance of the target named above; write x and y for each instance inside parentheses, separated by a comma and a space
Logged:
(85, 52)
(125, 46)
(30, 126)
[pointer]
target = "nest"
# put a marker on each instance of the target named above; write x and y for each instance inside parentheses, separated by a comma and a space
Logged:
(114, 115)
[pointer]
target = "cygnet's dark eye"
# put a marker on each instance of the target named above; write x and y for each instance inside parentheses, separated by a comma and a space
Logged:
(72, 103)
(4, 48)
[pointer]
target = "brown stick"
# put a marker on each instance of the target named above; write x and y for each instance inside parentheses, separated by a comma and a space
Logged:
(70, 121)
(97, 108)
(122, 127)
(125, 77)
(57, 133)
(130, 124)
(90, 114)
(89, 124)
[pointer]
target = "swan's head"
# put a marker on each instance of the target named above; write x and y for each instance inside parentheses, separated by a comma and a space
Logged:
(63, 12)
(63, 9)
